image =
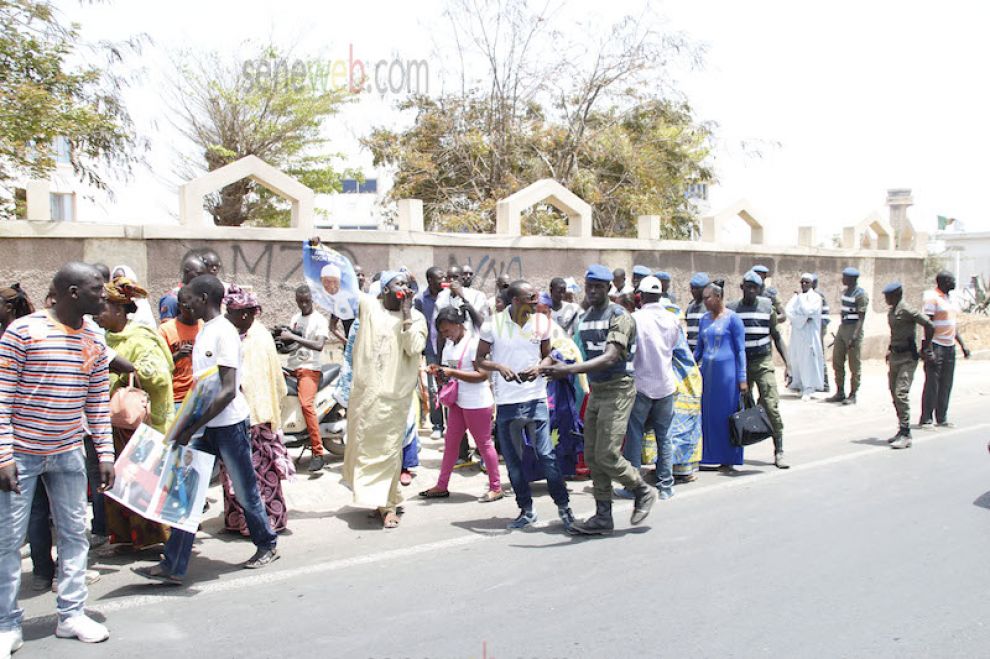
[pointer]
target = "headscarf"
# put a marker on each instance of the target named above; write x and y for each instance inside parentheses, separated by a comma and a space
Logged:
(15, 296)
(388, 276)
(810, 277)
(144, 315)
(238, 298)
(124, 290)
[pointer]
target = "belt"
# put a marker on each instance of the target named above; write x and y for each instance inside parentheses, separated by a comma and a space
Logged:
(909, 347)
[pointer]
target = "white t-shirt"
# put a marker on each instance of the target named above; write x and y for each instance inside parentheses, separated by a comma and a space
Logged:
(219, 344)
(311, 328)
(519, 349)
(470, 395)
(473, 296)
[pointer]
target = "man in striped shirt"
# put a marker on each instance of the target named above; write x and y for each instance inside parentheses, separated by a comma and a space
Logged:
(940, 351)
(54, 386)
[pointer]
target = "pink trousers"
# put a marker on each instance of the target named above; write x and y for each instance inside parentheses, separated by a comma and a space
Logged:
(479, 422)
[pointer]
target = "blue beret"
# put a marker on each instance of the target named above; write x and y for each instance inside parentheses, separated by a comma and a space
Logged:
(752, 278)
(598, 273)
(700, 279)
(546, 299)
(892, 287)
(641, 270)
(850, 272)
(662, 275)
(761, 269)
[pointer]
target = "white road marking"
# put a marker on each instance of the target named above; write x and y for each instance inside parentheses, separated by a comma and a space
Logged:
(274, 577)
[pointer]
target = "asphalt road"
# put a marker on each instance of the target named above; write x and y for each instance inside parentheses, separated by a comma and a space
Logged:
(866, 552)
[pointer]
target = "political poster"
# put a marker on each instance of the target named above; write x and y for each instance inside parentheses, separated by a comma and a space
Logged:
(206, 386)
(331, 279)
(162, 481)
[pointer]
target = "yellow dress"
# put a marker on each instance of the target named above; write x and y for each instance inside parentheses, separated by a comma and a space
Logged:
(386, 370)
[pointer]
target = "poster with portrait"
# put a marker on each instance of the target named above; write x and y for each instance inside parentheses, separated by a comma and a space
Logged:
(162, 481)
(330, 276)
(206, 386)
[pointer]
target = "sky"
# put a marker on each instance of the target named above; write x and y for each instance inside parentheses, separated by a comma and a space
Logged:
(843, 100)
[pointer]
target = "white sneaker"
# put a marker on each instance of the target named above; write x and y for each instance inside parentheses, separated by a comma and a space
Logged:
(10, 642)
(436, 434)
(82, 627)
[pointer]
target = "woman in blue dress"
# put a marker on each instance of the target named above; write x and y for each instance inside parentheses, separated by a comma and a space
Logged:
(721, 356)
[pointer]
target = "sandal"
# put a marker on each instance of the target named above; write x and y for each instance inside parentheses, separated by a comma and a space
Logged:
(157, 573)
(390, 520)
(491, 495)
(434, 494)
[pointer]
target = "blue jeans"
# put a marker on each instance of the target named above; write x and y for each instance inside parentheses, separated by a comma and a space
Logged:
(40, 534)
(233, 446)
(533, 417)
(655, 413)
(64, 475)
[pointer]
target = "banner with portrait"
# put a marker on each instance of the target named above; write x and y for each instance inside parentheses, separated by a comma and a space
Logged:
(331, 279)
(162, 481)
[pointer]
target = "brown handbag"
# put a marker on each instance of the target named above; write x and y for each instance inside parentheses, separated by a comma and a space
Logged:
(130, 406)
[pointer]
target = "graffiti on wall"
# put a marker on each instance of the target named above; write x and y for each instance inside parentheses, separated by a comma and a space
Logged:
(488, 268)
(278, 265)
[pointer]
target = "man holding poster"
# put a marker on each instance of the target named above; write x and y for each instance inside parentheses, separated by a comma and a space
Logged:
(224, 426)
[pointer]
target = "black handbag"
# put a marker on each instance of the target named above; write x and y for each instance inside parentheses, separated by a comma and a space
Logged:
(750, 424)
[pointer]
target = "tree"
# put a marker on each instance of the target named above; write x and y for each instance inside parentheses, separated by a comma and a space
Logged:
(43, 97)
(263, 107)
(549, 106)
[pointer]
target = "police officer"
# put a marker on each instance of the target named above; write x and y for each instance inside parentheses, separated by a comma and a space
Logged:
(665, 278)
(639, 272)
(849, 338)
(902, 357)
(769, 291)
(607, 335)
(825, 321)
(696, 308)
(760, 320)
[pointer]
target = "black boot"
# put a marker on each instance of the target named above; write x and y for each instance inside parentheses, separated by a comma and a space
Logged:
(837, 397)
(902, 440)
(599, 524)
(646, 496)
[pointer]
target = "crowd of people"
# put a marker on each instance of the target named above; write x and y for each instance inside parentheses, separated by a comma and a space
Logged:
(562, 384)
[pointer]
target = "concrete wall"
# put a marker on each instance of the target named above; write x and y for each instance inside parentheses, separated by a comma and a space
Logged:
(269, 260)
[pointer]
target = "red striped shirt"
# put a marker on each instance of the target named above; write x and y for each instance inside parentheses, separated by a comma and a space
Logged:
(54, 384)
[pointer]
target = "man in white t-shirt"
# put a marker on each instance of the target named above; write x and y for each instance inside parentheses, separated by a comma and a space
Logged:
(225, 431)
(310, 330)
(515, 343)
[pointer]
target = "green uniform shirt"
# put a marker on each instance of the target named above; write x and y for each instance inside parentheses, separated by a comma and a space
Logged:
(902, 320)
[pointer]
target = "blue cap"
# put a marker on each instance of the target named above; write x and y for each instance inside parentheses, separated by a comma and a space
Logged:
(700, 279)
(388, 276)
(892, 287)
(760, 269)
(641, 270)
(546, 299)
(598, 273)
(850, 272)
(752, 278)
(662, 275)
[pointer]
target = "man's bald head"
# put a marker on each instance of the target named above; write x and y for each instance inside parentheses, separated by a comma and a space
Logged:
(78, 289)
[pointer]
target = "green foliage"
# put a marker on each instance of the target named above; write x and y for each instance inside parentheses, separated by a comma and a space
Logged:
(42, 97)
(628, 162)
(538, 102)
(230, 109)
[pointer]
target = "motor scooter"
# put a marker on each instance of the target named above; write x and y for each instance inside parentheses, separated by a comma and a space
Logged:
(333, 424)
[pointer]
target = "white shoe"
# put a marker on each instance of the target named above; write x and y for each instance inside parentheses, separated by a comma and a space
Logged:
(806, 397)
(10, 642)
(436, 434)
(82, 627)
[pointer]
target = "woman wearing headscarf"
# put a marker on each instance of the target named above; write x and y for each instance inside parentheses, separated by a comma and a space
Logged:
(144, 348)
(142, 313)
(264, 387)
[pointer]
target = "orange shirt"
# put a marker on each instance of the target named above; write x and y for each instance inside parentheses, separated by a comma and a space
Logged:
(175, 334)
